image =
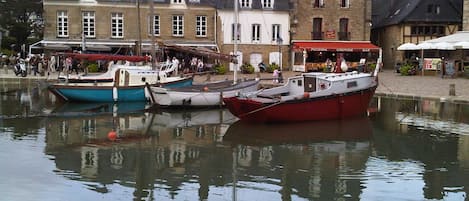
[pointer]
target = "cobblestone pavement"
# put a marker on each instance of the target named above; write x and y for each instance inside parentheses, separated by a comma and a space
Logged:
(390, 84)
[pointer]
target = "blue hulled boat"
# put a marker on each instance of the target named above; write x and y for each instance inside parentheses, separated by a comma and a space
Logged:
(128, 85)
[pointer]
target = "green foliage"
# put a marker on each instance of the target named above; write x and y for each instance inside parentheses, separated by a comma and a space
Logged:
(407, 69)
(93, 67)
(371, 67)
(7, 41)
(272, 67)
(220, 69)
(247, 68)
(8, 52)
(21, 18)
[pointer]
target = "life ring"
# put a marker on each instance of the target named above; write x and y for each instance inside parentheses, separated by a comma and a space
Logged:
(322, 85)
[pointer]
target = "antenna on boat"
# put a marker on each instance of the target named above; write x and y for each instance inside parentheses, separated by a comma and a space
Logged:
(235, 42)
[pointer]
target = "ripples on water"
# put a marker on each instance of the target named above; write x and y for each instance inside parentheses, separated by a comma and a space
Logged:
(407, 150)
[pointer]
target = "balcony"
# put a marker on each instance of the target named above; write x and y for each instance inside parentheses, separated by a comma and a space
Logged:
(317, 35)
(344, 35)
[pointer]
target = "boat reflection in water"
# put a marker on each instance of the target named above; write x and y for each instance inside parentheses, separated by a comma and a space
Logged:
(315, 160)
(165, 149)
(304, 132)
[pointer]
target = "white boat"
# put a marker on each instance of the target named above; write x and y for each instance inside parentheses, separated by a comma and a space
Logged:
(205, 95)
(200, 95)
(108, 76)
(127, 85)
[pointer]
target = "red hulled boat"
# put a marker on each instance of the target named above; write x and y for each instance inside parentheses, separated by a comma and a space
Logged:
(308, 97)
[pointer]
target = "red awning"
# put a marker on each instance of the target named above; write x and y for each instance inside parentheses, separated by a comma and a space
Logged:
(109, 57)
(336, 46)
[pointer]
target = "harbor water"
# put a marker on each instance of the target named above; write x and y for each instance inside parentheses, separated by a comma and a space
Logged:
(401, 150)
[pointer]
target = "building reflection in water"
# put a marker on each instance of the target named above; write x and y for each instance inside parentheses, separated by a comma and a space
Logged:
(176, 154)
(171, 150)
(431, 132)
(306, 159)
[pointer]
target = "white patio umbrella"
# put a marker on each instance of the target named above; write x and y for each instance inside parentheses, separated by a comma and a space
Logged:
(426, 46)
(462, 45)
(408, 46)
(444, 46)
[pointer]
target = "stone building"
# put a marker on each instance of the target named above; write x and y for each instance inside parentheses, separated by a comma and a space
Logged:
(412, 21)
(126, 26)
(263, 30)
(323, 29)
(465, 17)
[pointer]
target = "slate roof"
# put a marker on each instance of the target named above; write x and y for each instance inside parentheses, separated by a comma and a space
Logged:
(390, 12)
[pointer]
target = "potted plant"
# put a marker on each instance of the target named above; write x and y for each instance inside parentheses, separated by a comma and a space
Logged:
(247, 68)
(220, 69)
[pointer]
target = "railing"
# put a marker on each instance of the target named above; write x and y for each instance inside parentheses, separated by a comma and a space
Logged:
(317, 35)
(344, 35)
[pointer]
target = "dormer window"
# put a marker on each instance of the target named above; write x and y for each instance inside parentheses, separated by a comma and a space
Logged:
(245, 3)
(318, 3)
(177, 1)
(344, 3)
(267, 3)
(433, 8)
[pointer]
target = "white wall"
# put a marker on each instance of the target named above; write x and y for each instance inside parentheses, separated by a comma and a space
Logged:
(264, 18)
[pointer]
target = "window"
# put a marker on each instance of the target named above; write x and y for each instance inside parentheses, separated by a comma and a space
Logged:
(275, 32)
(178, 25)
(233, 32)
(422, 30)
(344, 3)
(201, 26)
(317, 29)
(156, 25)
(433, 8)
(267, 3)
(245, 3)
(117, 25)
(256, 35)
(88, 24)
(318, 3)
(62, 24)
(352, 84)
(177, 1)
(343, 29)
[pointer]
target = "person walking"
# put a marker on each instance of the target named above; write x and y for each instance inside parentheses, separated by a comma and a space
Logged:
(52, 64)
(68, 65)
(200, 65)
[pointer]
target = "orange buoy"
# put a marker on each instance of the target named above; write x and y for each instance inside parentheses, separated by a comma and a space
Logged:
(205, 88)
(112, 135)
(306, 95)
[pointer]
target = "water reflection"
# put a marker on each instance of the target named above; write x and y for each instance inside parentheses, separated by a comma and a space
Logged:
(430, 135)
(315, 160)
(406, 150)
(153, 150)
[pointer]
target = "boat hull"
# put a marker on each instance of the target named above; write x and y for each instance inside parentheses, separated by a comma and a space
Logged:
(200, 98)
(337, 106)
(89, 92)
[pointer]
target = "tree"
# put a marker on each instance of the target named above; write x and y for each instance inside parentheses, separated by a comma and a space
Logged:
(21, 18)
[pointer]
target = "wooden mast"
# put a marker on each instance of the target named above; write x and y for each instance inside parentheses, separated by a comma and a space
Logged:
(235, 43)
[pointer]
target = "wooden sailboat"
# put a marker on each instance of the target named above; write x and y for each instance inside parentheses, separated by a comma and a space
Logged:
(120, 84)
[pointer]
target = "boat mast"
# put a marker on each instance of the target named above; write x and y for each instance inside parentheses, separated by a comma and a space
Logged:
(235, 43)
(139, 45)
(152, 28)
